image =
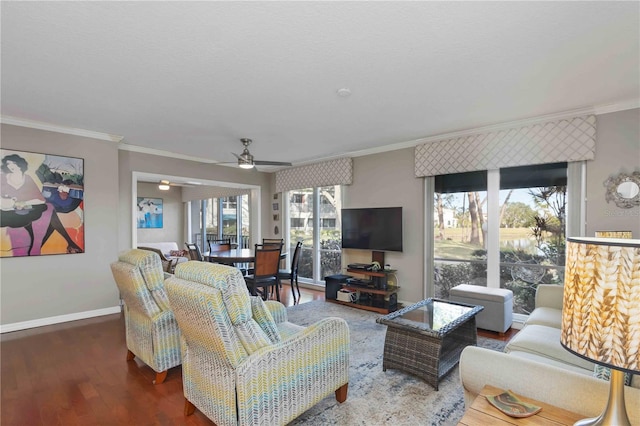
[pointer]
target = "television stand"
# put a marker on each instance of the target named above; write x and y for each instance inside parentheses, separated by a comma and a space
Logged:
(375, 296)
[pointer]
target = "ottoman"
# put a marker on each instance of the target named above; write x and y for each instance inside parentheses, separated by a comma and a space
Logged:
(498, 305)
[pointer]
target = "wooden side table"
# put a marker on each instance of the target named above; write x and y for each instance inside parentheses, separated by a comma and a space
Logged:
(482, 413)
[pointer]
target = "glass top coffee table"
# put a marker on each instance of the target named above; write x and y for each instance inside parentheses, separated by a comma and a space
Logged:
(426, 339)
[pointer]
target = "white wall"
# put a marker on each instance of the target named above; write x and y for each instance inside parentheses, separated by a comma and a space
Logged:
(50, 286)
(387, 180)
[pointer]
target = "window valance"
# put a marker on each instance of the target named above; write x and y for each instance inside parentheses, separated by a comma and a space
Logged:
(572, 139)
(334, 172)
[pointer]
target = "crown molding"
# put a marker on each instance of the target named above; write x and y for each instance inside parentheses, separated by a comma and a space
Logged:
(595, 110)
(59, 129)
(163, 153)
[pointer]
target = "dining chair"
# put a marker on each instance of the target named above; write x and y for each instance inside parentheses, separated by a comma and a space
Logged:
(272, 241)
(221, 244)
(194, 252)
(292, 274)
(265, 271)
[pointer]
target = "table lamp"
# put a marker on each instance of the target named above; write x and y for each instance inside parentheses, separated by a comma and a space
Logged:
(601, 313)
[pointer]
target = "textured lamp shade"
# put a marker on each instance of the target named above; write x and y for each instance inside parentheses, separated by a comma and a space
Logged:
(601, 309)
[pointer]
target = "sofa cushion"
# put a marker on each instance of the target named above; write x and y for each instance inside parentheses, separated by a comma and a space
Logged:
(545, 342)
(549, 361)
(549, 317)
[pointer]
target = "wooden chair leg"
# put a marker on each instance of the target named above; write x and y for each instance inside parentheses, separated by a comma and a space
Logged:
(341, 393)
(160, 377)
(293, 291)
(189, 408)
(130, 355)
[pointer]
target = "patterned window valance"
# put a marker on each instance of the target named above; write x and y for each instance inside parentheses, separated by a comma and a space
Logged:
(334, 172)
(572, 139)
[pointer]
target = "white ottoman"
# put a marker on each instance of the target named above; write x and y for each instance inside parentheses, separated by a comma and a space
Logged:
(497, 314)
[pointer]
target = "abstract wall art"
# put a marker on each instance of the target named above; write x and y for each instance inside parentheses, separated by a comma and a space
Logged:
(149, 212)
(42, 204)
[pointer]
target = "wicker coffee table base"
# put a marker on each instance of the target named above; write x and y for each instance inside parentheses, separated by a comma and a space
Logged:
(425, 356)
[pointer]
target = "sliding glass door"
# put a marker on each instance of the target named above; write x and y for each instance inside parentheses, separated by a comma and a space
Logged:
(314, 219)
(528, 224)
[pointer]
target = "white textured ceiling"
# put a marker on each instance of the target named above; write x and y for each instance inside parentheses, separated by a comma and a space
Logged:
(192, 78)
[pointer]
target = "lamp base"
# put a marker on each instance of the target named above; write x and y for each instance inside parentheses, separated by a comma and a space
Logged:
(615, 413)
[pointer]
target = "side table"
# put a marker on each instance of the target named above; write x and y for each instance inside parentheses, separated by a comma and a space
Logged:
(482, 413)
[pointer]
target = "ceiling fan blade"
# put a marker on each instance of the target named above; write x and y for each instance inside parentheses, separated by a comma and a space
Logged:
(271, 163)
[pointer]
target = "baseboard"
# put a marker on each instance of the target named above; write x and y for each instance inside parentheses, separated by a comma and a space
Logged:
(24, 325)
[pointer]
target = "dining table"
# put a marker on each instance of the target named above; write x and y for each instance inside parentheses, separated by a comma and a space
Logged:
(237, 255)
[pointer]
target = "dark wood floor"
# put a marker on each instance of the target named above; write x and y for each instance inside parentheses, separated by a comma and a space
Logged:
(75, 373)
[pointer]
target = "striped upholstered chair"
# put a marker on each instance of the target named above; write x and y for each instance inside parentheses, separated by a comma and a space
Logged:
(151, 329)
(242, 362)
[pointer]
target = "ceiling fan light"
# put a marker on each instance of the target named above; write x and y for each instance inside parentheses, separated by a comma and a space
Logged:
(245, 161)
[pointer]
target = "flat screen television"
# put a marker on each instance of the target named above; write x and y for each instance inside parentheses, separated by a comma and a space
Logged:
(378, 228)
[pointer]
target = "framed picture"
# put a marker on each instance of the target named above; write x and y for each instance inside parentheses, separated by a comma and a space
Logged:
(42, 204)
(275, 196)
(149, 212)
(276, 217)
(275, 207)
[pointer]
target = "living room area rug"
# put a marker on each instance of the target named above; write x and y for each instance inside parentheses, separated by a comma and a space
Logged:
(379, 397)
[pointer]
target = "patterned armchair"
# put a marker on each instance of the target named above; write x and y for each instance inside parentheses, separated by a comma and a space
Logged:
(243, 363)
(151, 329)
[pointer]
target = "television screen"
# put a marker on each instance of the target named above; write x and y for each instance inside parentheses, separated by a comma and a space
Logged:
(372, 228)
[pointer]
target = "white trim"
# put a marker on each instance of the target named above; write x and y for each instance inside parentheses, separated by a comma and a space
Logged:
(493, 229)
(428, 285)
(60, 129)
(16, 326)
(163, 153)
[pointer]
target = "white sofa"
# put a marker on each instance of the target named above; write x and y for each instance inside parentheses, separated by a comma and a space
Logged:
(534, 364)
(166, 247)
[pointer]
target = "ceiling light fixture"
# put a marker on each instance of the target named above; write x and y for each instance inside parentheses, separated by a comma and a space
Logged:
(164, 185)
(245, 165)
(344, 92)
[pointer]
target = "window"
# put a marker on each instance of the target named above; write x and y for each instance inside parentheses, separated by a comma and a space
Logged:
(529, 222)
(314, 219)
(225, 217)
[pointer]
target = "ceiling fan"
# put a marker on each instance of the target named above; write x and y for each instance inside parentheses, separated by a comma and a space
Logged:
(246, 161)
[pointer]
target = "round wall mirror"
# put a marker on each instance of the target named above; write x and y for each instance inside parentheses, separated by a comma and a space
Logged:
(628, 189)
(624, 190)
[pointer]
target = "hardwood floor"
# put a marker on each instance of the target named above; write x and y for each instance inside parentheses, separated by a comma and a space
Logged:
(76, 373)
